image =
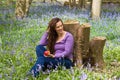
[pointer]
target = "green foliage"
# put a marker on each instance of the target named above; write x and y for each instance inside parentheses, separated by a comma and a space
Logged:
(7, 3)
(112, 53)
(18, 39)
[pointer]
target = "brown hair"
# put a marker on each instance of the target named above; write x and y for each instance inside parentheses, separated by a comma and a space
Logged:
(52, 34)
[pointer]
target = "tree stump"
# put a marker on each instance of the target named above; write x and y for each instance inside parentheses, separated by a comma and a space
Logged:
(72, 27)
(85, 51)
(81, 35)
(96, 51)
(83, 41)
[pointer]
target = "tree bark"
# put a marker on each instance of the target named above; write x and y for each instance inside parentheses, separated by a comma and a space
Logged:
(96, 9)
(22, 8)
(72, 27)
(74, 3)
(83, 38)
(81, 3)
(96, 51)
(83, 41)
(85, 51)
(70, 3)
(81, 35)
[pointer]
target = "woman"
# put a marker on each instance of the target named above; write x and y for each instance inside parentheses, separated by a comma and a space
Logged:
(60, 44)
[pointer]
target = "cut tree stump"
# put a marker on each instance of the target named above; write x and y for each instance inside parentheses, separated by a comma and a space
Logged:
(83, 38)
(73, 26)
(85, 51)
(81, 35)
(96, 51)
(83, 42)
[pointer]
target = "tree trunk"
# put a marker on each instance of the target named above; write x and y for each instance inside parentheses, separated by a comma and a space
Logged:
(43, 1)
(96, 9)
(70, 3)
(81, 3)
(22, 8)
(74, 3)
(96, 51)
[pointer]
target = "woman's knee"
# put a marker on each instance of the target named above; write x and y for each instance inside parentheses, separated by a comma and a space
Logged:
(68, 64)
(40, 50)
(40, 47)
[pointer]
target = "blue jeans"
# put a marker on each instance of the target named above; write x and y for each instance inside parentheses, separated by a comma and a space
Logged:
(43, 63)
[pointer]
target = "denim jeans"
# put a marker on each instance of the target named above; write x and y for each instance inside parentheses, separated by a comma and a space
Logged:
(43, 63)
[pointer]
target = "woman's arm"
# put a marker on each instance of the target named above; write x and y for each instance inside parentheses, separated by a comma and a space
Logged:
(68, 47)
(43, 40)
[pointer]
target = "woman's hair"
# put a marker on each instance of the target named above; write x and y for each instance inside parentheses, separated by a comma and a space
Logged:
(52, 34)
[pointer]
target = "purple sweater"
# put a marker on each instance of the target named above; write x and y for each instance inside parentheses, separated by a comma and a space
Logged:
(64, 48)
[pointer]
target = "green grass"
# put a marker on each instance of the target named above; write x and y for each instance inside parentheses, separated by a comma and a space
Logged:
(18, 56)
(18, 40)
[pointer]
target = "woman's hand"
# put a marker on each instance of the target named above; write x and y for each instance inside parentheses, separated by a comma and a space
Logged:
(48, 54)
(51, 55)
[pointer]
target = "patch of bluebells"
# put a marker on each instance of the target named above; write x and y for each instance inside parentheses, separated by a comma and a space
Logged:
(83, 76)
(41, 13)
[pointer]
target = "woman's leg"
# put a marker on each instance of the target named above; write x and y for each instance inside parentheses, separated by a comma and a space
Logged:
(40, 50)
(39, 62)
(66, 62)
(37, 66)
(55, 62)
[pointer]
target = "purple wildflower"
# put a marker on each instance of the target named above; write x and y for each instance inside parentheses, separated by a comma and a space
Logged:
(39, 67)
(83, 76)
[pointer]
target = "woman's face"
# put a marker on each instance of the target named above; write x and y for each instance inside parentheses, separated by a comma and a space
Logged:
(59, 27)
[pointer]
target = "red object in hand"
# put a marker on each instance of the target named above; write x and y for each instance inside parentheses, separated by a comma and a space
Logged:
(46, 53)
